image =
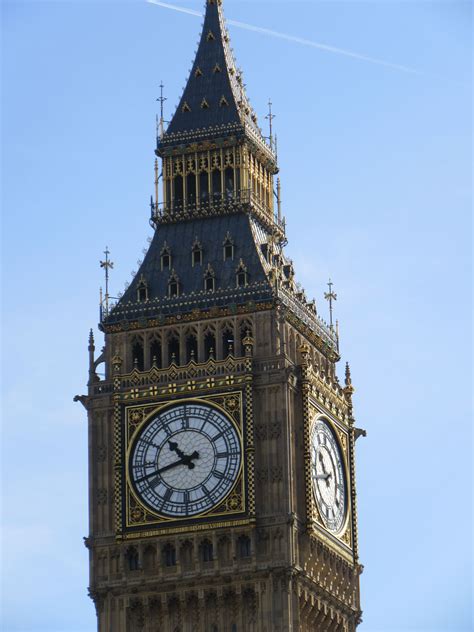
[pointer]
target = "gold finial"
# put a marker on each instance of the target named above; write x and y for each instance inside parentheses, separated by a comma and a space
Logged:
(330, 296)
(348, 389)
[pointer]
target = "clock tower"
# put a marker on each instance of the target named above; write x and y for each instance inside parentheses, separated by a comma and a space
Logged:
(221, 443)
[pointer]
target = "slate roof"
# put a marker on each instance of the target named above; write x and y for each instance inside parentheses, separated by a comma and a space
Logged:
(214, 102)
(179, 239)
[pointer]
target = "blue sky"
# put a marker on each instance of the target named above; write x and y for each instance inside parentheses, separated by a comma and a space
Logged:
(376, 184)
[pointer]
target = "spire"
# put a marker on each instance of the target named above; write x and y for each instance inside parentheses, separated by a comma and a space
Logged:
(214, 102)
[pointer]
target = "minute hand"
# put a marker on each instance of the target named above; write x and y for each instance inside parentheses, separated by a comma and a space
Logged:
(186, 460)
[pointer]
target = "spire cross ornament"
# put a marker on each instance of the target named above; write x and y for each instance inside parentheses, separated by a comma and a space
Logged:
(270, 116)
(161, 99)
(107, 265)
(330, 296)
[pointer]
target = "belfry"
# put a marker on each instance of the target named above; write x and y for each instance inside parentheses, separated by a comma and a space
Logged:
(221, 443)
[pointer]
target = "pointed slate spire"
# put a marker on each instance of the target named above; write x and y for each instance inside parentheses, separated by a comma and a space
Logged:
(214, 102)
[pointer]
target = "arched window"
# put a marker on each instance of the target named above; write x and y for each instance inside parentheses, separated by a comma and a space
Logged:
(173, 350)
(209, 279)
(196, 254)
(186, 555)
(209, 345)
(228, 245)
(178, 190)
(155, 353)
(216, 184)
(229, 182)
(138, 355)
(191, 188)
(223, 549)
(142, 289)
(132, 559)
(227, 342)
(241, 275)
(204, 186)
(243, 546)
(165, 257)
(169, 555)
(207, 552)
(149, 558)
(173, 285)
(191, 348)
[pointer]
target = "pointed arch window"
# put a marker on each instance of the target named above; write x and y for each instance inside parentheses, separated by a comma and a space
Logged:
(209, 345)
(191, 348)
(216, 69)
(169, 555)
(173, 349)
(243, 546)
(173, 285)
(207, 551)
(198, 72)
(241, 277)
(142, 289)
(210, 36)
(185, 107)
(223, 102)
(204, 104)
(155, 353)
(227, 342)
(209, 279)
(204, 186)
(138, 354)
(165, 256)
(132, 559)
(196, 254)
(228, 245)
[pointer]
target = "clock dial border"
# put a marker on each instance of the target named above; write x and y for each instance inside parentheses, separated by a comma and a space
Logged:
(326, 423)
(233, 466)
(234, 505)
(343, 539)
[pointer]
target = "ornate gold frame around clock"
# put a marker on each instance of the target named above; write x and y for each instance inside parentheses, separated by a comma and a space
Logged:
(316, 405)
(230, 405)
(134, 408)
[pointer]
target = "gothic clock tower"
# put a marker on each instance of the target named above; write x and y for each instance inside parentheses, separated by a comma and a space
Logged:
(221, 444)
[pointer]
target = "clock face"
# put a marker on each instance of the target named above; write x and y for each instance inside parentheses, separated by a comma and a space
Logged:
(185, 460)
(328, 476)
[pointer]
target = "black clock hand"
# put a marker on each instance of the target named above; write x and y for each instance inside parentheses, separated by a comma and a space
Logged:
(174, 448)
(323, 477)
(185, 460)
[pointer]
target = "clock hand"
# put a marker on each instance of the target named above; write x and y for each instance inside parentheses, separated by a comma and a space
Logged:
(323, 477)
(174, 448)
(185, 460)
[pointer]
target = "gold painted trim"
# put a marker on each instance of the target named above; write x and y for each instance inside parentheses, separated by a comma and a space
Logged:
(244, 493)
(337, 429)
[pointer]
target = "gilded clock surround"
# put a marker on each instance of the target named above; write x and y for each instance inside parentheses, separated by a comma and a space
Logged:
(234, 504)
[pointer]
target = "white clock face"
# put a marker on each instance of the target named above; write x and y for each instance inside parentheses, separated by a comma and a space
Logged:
(185, 460)
(328, 476)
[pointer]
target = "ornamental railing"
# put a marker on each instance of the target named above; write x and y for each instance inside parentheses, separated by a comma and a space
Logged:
(224, 203)
(309, 318)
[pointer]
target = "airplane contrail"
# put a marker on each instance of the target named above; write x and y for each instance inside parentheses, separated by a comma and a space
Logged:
(294, 38)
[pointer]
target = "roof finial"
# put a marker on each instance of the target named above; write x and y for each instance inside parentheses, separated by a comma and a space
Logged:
(330, 296)
(107, 265)
(270, 116)
(161, 99)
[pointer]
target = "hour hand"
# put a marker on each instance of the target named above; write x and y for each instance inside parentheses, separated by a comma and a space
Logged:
(174, 448)
(322, 477)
